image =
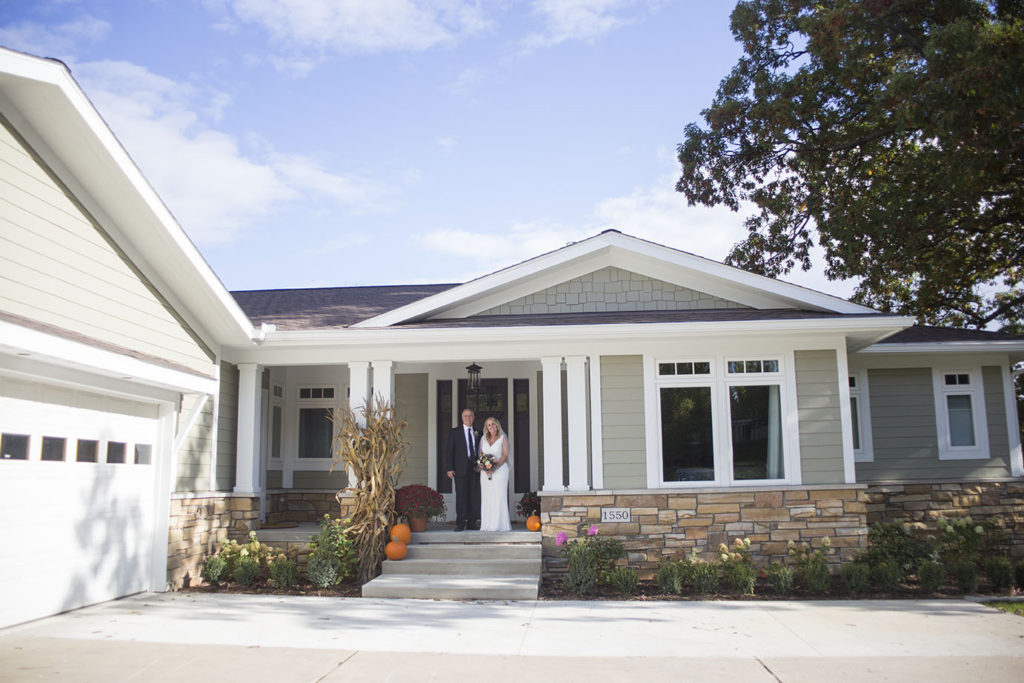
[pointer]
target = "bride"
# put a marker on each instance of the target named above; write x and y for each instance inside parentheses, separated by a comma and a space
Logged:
(494, 479)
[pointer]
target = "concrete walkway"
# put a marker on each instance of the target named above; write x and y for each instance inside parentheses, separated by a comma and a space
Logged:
(198, 637)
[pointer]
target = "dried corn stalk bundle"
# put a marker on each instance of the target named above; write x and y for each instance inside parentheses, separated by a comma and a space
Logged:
(375, 455)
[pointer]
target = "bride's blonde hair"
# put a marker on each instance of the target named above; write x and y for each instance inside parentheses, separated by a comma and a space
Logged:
(501, 432)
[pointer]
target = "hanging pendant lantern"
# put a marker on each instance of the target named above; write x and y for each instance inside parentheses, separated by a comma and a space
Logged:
(473, 384)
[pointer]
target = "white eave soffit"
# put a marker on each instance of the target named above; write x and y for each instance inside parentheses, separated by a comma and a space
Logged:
(620, 251)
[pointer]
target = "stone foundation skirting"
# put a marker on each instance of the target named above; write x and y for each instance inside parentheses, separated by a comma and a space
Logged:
(670, 524)
(921, 504)
(300, 505)
(198, 523)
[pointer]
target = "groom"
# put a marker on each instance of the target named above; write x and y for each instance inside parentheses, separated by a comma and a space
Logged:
(460, 454)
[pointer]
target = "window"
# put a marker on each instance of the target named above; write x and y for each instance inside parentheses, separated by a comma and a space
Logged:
(960, 414)
(143, 454)
(13, 446)
(86, 451)
(860, 417)
(316, 393)
(115, 452)
(53, 449)
(721, 427)
(276, 417)
(315, 432)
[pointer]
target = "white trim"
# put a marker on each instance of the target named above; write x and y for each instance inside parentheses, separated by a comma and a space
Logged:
(189, 422)
(247, 444)
(994, 346)
(576, 409)
(1012, 423)
(163, 483)
(383, 380)
(551, 371)
(976, 391)
(866, 452)
(596, 426)
(850, 455)
(652, 425)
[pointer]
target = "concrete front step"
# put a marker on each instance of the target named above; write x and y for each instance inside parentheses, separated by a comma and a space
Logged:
(430, 587)
(477, 551)
(464, 567)
(472, 537)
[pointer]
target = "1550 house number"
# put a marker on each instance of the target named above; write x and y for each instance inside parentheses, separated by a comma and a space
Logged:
(615, 515)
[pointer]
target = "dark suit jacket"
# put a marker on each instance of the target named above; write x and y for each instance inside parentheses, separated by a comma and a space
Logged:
(457, 459)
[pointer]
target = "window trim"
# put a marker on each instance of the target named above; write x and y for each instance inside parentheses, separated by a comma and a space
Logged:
(976, 391)
(862, 392)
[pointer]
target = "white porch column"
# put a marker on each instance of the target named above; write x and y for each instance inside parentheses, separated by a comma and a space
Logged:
(358, 387)
(576, 404)
(384, 380)
(551, 369)
(247, 451)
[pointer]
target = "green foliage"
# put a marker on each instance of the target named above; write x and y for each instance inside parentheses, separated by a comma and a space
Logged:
(965, 573)
(1018, 574)
(855, 577)
(232, 552)
(624, 579)
(812, 565)
(673, 574)
(247, 571)
(964, 539)
(888, 133)
(999, 572)
(283, 571)
(322, 568)
(417, 500)
(893, 544)
(886, 576)
(213, 569)
(931, 575)
(780, 578)
(334, 539)
(591, 560)
(738, 570)
(704, 576)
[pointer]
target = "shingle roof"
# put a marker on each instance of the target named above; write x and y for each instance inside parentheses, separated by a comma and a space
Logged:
(327, 307)
(925, 334)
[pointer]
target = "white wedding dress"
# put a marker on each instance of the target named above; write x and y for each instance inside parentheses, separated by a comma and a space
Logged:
(494, 491)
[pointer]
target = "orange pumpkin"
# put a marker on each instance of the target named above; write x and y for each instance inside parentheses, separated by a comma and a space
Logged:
(396, 550)
(401, 533)
(533, 523)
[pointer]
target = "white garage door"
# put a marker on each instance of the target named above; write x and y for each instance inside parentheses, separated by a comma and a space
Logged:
(76, 498)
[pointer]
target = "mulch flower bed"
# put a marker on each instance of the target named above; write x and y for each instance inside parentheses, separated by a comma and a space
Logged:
(345, 589)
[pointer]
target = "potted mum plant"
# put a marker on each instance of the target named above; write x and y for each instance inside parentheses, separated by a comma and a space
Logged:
(418, 503)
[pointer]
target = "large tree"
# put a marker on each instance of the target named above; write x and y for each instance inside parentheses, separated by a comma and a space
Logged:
(890, 132)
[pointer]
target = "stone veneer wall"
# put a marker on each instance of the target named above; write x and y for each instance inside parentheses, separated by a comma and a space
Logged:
(295, 505)
(198, 523)
(670, 524)
(920, 504)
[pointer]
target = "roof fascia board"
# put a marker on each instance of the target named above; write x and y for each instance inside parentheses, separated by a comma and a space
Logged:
(48, 108)
(1015, 349)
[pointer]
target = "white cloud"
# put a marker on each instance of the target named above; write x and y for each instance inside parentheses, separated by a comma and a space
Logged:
(308, 29)
(447, 143)
(584, 20)
(59, 41)
(216, 185)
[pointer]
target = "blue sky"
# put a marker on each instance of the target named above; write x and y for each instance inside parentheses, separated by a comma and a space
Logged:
(305, 143)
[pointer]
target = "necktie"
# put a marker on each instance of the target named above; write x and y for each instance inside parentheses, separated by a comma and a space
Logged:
(469, 444)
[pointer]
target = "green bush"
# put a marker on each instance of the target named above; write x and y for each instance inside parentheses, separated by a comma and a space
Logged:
(1018, 574)
(247, 571)
(894, 544)
(591, 560)
(581, 577)
(738, 570)
(334, 539)
(322, 568)
(965, 573)
(672, 575)
(963, 539)
(812, 565)
(283, 571)
(705, 577)
(855, 577)
(887, 576)
(780, 578)
(232, 551)
(931, 575)
(624, 579)
(213, 569)
(999, 572)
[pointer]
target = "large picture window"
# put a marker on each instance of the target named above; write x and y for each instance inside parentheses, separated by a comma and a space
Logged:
(721, 420)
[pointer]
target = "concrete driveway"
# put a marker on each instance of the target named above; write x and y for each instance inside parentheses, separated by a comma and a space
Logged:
(179, 636)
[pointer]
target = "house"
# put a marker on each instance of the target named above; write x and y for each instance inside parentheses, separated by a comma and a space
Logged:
(146, 413)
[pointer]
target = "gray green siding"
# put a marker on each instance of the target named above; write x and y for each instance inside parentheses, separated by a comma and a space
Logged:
(622, 422)
(320, 479)
(59, 268)
(411, 406)
(821, 431)
(905, 435)
(227, 427)
(196, 452)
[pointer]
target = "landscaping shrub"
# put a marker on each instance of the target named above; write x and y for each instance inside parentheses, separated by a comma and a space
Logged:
(855, 577)
(894, 544)
(738, 570)
(965, 573)
(780, 578)
(334, 539)
(931, 576)
(625, 580)
(591, 559)
(672, 575)
(322, 568)
(963, 539)
(232, 551)
(283, 571)
(705, 577)
(213, 569)
(812, 565)
(886, 576)
(247, 571)
(1018, 574)
(999, 572)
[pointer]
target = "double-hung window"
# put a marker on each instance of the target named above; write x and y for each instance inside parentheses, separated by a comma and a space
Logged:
(316, 431)
(960, 414)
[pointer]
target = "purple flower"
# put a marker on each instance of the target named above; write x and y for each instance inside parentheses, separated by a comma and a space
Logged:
(592, 531)
(561, 538)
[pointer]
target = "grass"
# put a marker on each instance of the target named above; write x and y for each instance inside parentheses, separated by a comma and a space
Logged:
(1011, 607)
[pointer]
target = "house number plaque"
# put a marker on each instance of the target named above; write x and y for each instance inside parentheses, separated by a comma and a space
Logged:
(615, 515)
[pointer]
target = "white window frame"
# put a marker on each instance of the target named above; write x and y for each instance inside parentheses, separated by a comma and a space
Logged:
(976, 391)
(860, 392)
(301, 463)
(719, 381)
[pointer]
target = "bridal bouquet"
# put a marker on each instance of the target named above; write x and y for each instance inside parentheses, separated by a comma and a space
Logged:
(485, 464)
